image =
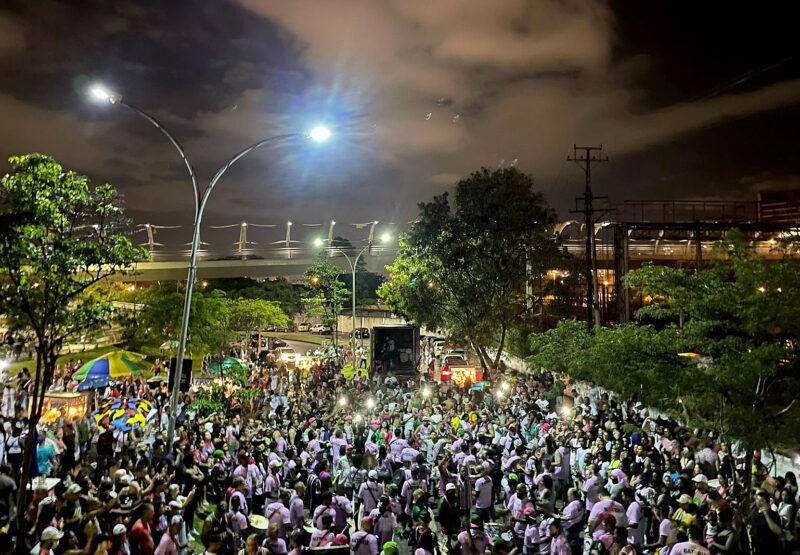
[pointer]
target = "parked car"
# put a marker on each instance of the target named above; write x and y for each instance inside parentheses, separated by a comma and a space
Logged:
(282, 329)
(361, 333)
(303, 326)
(438, 346)
(322, 329)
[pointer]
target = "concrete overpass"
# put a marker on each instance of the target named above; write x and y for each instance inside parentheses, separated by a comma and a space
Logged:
(174, 270)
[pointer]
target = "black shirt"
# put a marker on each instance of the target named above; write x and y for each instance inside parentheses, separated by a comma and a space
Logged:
(765, 541)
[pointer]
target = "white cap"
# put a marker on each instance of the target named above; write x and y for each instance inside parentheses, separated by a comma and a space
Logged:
(51, 533)
(119, 529)
(373, 474)
(700, 478)
(450, 487)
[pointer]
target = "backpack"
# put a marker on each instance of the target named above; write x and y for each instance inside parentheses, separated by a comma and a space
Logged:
(399, 478)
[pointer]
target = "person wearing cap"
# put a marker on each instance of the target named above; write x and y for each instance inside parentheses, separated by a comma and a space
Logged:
(483, 491)
(369, 493)
(390, 548)
(119, 541)
(364, 542)
(448, 516)
(272, 485)
(685, 514)
(47, 541)
(700, 497)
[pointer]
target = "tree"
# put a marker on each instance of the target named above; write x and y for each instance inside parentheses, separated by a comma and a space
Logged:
(465, 269)
(720, 350)
(288, 296)
(253, 315)
(209, 318)
(58, 237)
(325, 294)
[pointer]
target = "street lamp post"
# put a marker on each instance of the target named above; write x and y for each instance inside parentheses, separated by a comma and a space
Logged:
(318, 134)
(353, 263)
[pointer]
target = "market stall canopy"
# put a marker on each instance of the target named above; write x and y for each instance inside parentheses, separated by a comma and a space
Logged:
(116, 364)
(123, 414)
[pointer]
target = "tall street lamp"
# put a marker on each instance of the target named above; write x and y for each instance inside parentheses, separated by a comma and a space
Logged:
(318, 134)
(353, 262)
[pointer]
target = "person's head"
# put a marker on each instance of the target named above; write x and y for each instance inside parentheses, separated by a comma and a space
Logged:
(119, 533)
(252, 543)
(101, 543)
(685, 501)
(628, 495)
(366, 523)
(695, 534)
(300, 489)
(326, 520)
(49, 537)
(238, 483)
(603, 493)
(522, 491)
(554, 527)
(175, 524)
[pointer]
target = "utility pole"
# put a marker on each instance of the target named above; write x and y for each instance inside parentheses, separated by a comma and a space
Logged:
(584, 157)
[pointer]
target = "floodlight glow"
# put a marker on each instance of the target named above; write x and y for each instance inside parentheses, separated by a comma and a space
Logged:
(99, 92)
(370, 403)
(385, 238)
(320, 134)
(318, 242)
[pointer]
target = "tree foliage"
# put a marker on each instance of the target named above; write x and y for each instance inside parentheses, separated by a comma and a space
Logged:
(58, 237)
(160, 319)
(464, 269)
(721, 350)
(325, 295)
(288, 296)
(252, 315)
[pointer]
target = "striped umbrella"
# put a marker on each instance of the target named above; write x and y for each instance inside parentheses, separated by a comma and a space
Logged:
(116, 364)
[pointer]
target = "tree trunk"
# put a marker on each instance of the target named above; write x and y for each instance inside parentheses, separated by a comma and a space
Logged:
(35, 409)
(500, 348)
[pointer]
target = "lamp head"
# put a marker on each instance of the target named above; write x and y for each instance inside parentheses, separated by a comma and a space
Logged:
(318, 242)
(319, 134)
(102, 94)
(385, 238)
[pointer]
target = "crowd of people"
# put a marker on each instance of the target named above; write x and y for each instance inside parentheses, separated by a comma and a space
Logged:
(392, 465)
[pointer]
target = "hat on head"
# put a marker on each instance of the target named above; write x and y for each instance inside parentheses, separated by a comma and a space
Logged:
(51, 533)
(513, 476)
(373, 475)
(367, 520)
(450, 487)
(74, 488)
(700, 478)
(119, 529)
(391, 548)
(684, 498)
(177, 519)
(275, 463)
(219, 453)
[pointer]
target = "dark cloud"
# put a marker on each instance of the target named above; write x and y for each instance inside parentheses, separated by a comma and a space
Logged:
(419, 94)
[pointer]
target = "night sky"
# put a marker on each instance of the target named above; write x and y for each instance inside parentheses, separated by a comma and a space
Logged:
(690, 100)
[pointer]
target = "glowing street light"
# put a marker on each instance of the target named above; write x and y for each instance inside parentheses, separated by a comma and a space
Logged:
(370, 404)
(315, 280)
(318, 242)
(385, 238)
(102, 94)
(320, 134)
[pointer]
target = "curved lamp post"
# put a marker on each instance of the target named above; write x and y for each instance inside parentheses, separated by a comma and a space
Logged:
(318, 134)
(353, 263)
